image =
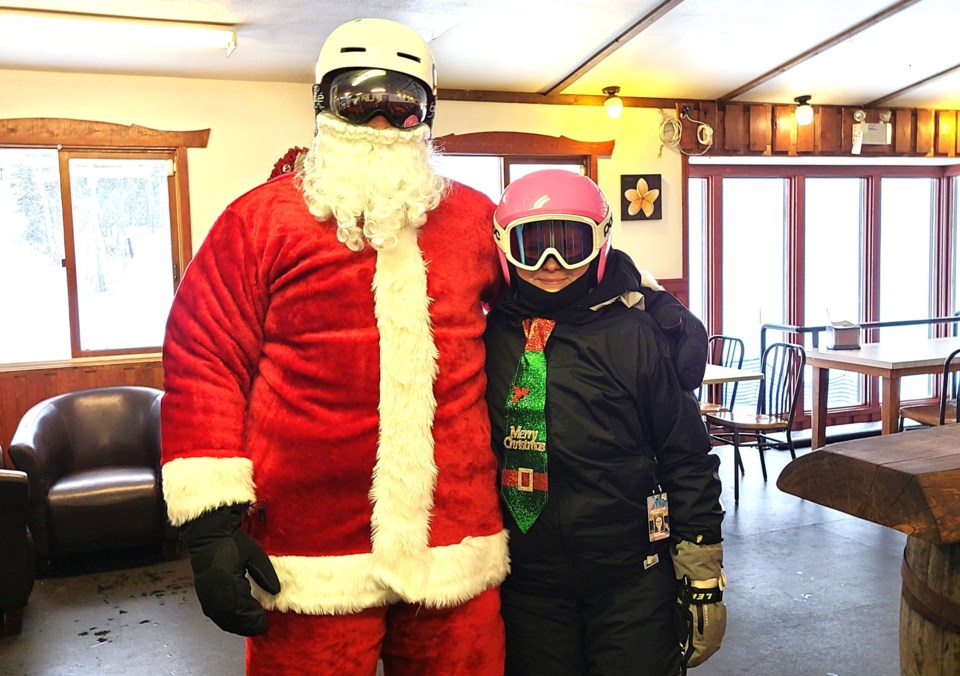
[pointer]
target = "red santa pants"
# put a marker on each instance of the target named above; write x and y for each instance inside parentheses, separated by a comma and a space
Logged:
(465, 640)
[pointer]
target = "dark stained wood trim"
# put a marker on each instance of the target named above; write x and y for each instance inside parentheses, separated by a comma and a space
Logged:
(740, 129)
(823, 46)
(84, 138)
(828, 131)
(489, 96)
(784, 130)
(678, 287)
(733, 127)
(519, 143)
(69, 249)
(522, 144)
(925, 131)
(182, 249)
(943, 243)
(52, 131)
(760, 128)
(710, 114)
(946, 132)
(643, 24)
(903, 143)
(23, 385)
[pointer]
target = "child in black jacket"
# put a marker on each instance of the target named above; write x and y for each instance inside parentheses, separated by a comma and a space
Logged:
(609, 488)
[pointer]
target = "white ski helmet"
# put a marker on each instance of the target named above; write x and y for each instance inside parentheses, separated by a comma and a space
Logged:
(376, 66)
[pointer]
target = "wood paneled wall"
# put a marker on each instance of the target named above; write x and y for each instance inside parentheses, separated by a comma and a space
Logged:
(770, 130)
(22, 386)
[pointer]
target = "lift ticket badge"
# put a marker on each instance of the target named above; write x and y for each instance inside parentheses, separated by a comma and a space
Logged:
(658, 517)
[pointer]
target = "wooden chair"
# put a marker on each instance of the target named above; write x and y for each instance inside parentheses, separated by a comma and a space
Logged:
(945, 411)
(724, 351)
(779, 393)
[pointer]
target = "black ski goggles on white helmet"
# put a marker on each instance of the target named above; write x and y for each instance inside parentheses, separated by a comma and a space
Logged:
(357, 95)
(573, 240)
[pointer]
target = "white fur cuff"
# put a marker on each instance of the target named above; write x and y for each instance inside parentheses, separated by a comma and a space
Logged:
(192, 486)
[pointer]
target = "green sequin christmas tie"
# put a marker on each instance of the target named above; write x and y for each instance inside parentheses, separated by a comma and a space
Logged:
(523, 479)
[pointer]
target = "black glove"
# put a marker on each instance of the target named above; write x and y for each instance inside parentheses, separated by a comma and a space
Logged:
(688, 336)
(221, 554)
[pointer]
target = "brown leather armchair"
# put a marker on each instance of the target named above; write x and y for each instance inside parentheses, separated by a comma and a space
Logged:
(16, 554)
(93, 462)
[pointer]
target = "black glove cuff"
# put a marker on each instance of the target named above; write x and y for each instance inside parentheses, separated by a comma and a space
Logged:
(698, 597)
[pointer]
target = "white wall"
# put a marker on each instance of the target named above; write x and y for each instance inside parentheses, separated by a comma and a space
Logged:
(252, 124)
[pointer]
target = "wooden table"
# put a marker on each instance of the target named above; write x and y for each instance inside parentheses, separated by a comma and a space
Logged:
(890, 360)
(717, 375)
(909, 482)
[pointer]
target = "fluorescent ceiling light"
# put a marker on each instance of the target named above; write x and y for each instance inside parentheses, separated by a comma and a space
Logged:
(63, 28)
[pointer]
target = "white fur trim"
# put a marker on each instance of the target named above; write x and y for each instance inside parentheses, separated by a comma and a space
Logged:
(648, 280)
(192, 486)
(336, 585)
(405, 475)
(628, 298)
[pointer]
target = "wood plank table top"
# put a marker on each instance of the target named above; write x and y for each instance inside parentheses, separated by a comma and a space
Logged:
(715, 374)
(909, 481)
(890, 360)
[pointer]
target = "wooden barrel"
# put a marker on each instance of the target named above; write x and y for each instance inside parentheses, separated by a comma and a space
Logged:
(930, 609)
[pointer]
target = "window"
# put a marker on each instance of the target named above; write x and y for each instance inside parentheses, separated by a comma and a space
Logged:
(833, 271)
(486, 173)
(804, 245)
(907, 209)
(94, 234)
(754, 257)
(697, 246)
(954, 230)
(489, 161)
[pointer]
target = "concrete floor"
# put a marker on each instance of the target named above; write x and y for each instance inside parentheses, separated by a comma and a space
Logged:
(813, 592)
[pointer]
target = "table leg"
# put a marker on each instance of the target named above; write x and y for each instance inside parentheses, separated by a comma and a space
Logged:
(818, 424)
(889, 404)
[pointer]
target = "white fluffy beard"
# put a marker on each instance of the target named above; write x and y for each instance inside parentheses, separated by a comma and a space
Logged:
(374, 182)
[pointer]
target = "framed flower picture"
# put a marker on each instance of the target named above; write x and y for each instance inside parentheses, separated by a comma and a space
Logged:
(640, 197)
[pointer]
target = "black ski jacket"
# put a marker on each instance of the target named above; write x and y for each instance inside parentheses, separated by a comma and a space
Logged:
(619, 429)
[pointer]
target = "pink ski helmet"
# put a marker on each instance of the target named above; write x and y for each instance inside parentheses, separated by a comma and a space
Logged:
(552, 212)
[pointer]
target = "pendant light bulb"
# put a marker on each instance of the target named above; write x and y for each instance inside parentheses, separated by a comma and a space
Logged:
(804, 111)
(613, 103)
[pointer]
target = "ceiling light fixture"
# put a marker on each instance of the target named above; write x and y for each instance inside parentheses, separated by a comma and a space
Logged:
(613, 103)
(85, 30)
(804, 111)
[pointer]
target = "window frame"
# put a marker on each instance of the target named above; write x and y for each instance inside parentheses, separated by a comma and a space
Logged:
(86, 139)
(522, 147)
(943, 245)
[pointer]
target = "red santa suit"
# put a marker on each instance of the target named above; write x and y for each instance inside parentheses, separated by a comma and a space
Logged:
(340, 393)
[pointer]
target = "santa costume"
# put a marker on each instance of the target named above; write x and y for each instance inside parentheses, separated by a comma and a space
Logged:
(333, 388)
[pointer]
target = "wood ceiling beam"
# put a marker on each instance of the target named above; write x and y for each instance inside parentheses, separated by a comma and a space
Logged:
(652, 17)
(823, 46)
(893, 95)
(487, 96)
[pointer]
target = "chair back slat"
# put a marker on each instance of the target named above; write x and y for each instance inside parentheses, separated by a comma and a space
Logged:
(726, 351)
(950, 389)
(782, 365)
